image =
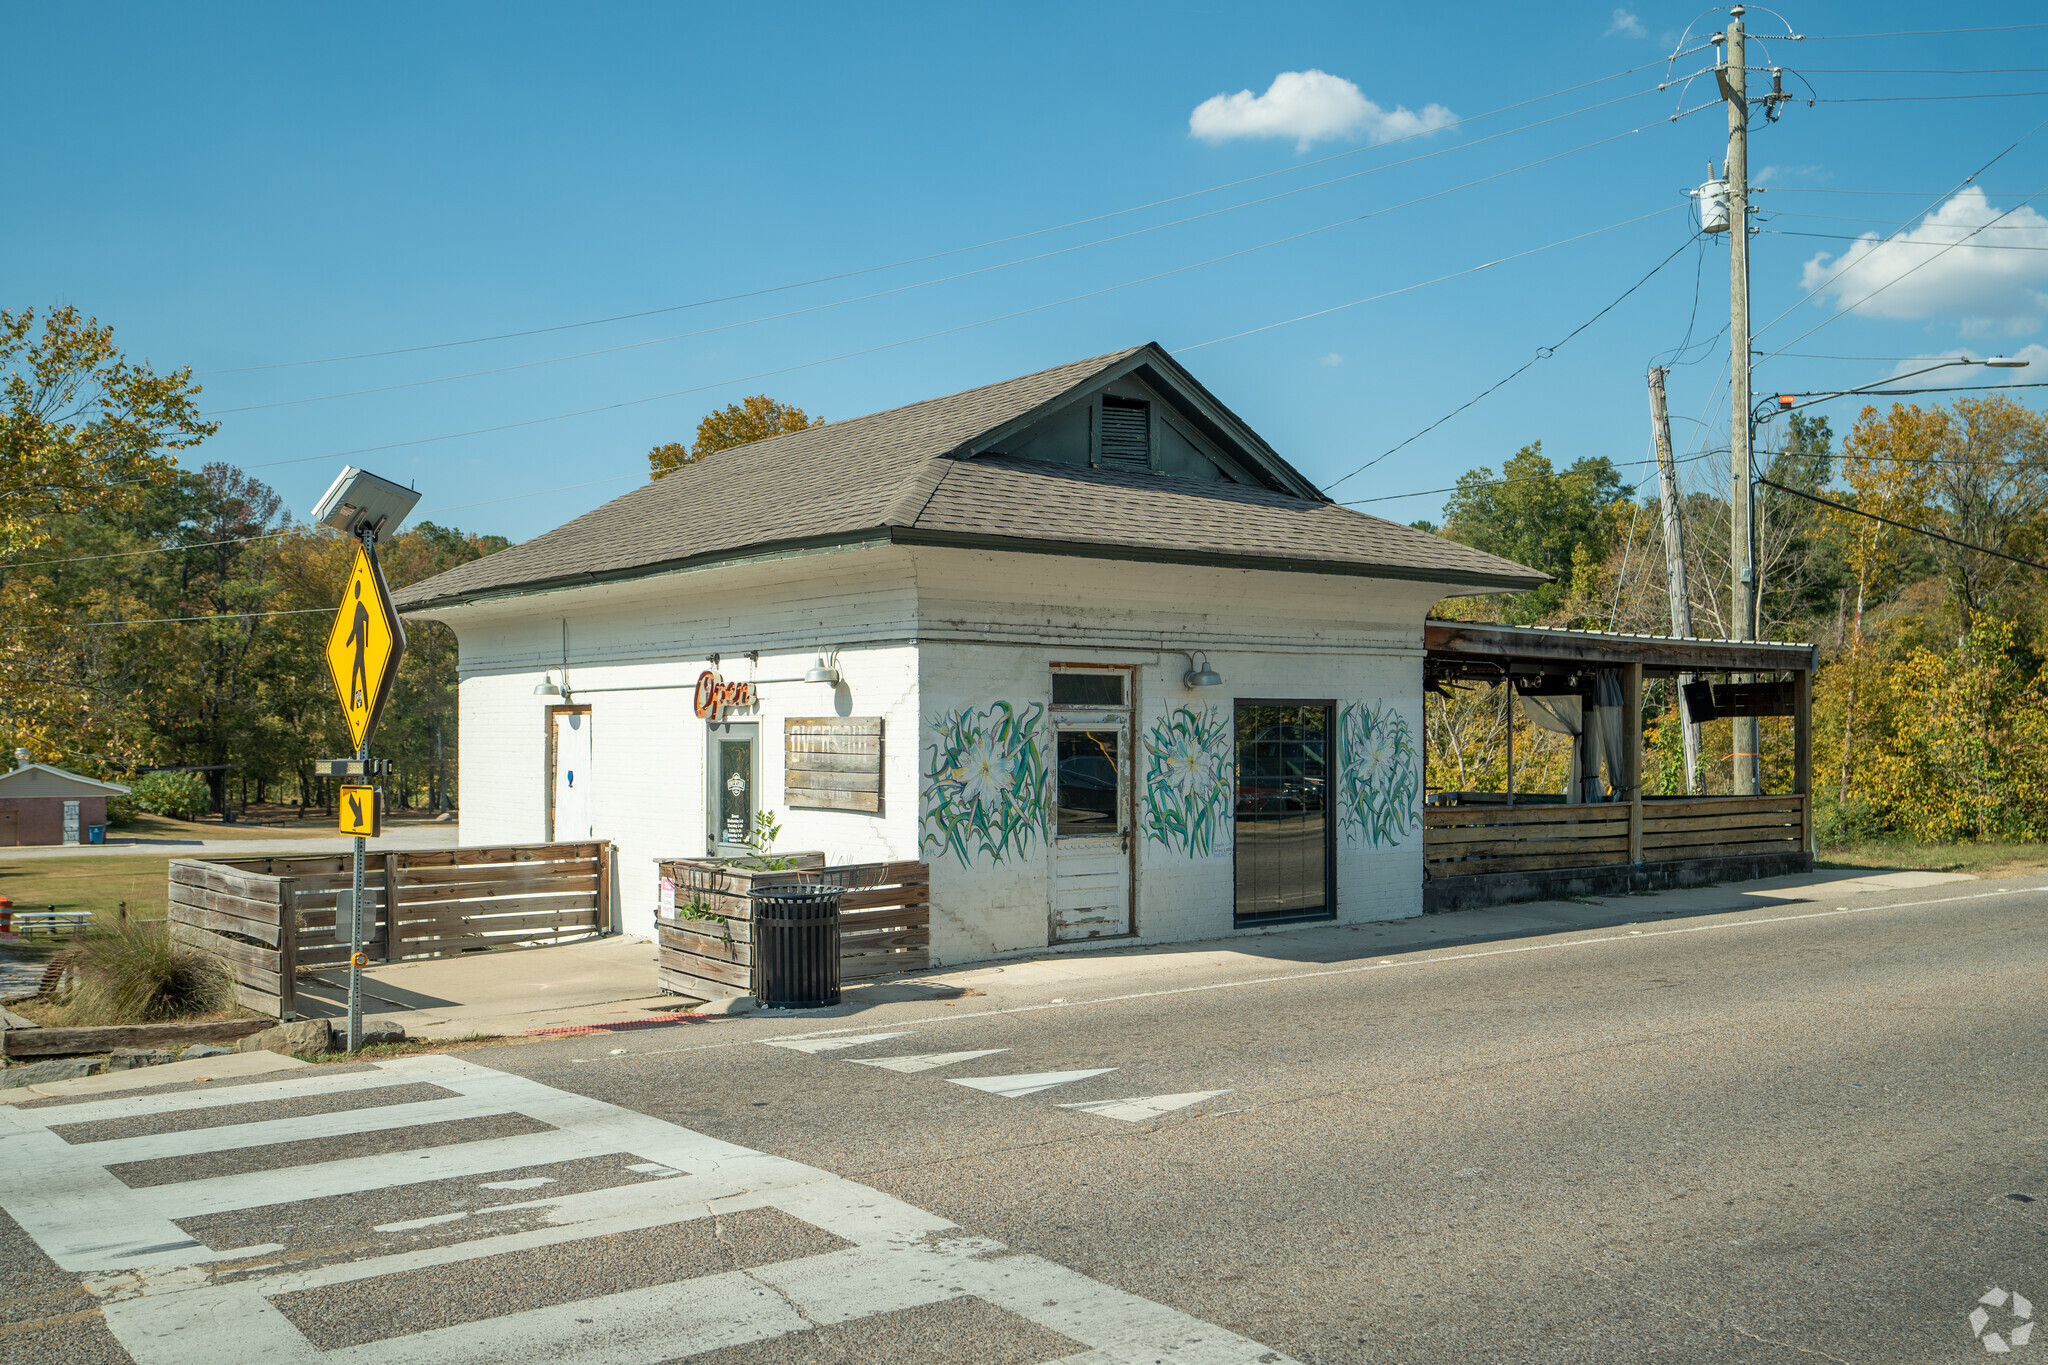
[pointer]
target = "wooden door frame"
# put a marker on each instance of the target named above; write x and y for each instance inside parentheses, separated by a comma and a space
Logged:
(548, 722)
(1330, 714)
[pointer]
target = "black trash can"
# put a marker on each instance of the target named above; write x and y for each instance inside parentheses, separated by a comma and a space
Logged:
(796, 946)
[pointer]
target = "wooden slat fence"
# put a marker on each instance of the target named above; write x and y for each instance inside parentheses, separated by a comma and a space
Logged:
(239, 917)
(1465, 841)
(1723, 827)
(271, 917)
(707, 943)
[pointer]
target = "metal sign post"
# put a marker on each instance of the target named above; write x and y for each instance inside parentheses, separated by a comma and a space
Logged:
(363, 649)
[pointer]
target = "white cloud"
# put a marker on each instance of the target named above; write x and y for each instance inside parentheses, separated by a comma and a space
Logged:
(1627, 25)
(1983, 285)
(1309, 106)
(1331, 361)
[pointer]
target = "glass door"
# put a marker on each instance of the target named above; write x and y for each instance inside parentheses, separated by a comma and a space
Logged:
(732, 770)
(1285, 846)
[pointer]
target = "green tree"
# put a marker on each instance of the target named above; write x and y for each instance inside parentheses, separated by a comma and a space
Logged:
(87, 434)
(1536, 515)
(737, 424)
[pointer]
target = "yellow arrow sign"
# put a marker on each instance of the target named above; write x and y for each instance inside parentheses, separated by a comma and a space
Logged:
(364, 647)
(362, 811)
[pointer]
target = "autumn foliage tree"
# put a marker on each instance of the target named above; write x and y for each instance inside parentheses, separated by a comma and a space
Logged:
(737, 424)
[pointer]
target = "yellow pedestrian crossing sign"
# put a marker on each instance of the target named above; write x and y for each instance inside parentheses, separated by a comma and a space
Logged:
(364, 647)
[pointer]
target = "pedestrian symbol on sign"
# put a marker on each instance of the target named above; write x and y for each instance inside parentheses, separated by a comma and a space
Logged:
(364, 647)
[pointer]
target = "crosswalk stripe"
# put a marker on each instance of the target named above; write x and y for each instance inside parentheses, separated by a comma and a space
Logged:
(161, 1298)
(193, 1142)
(1143, 1107)
(1029, 1083)
(817, 1045)
(177, 1102)
(909, 1063)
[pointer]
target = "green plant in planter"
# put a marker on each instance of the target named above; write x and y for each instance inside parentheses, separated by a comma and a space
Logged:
(767, 829)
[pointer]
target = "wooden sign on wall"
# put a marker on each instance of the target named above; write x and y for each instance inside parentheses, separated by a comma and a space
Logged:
(832, 763)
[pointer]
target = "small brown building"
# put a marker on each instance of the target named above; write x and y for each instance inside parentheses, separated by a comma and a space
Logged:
(44, 805)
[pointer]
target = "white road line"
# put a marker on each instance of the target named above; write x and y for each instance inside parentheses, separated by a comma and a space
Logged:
(817, 1045)
(167, 1308)
(1143, 1107)
(909, 1063)
(1028, 1083)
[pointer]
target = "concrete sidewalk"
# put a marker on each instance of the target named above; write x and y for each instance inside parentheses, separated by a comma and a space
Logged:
(1052, 975)
(509, 991)
(610, 982)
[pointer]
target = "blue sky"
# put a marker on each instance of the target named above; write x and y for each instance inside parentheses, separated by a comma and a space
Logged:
(238, 187)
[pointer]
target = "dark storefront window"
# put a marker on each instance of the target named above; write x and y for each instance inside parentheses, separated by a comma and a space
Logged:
(1284, 847)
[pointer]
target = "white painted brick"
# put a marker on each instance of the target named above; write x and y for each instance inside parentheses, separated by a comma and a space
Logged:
(920, 632)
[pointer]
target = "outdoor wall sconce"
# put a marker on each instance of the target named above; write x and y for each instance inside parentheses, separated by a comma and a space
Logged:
(826, 670)
(1200, 674)
(548, 689)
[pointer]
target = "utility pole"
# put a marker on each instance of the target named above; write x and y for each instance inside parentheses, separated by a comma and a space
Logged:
(1741, 552)
(1674, 563)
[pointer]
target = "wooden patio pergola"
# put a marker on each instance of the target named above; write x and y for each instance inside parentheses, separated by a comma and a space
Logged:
(1489, 848)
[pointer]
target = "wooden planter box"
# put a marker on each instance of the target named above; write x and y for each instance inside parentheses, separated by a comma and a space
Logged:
(707, 937)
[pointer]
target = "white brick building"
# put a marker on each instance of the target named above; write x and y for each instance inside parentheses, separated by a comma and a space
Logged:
(1020, 590)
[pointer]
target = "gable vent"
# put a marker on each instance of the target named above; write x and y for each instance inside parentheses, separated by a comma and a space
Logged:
(1126, 433)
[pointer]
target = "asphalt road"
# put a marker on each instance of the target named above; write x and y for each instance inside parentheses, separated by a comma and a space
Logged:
(1774, 1135)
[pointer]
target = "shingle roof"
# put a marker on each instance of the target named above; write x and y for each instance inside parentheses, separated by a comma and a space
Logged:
(897, 473)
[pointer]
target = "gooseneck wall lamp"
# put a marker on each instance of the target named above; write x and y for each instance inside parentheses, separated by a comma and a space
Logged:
(1199, 673)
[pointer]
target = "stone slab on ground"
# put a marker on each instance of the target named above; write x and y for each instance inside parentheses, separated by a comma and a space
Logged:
(130, 1058)
(59, 1069)
(172, 1073)
(301, 1037)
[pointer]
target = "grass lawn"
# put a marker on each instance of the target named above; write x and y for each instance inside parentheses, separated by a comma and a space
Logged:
(1982, 860)
(98, 882)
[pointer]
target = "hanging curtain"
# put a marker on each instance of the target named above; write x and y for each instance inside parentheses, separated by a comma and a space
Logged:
(1599, 732)
(1609, 726)
(1565, 716)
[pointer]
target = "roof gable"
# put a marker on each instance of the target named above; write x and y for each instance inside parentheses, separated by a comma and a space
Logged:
(40, 779)
(893, 476)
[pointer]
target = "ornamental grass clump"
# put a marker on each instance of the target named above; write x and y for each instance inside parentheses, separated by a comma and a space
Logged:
(134, 974)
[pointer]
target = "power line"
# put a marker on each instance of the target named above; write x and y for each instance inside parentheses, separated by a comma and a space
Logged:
(1520, 478)
(1915, 70)
(1916, 530)
(908, 341)
(1911, 33)
(1023, 260)
(131, 554)
(217, 616)
(956, 251)
(1542, 353)
(1851, 237)
(1883, 222)
(1909, 99)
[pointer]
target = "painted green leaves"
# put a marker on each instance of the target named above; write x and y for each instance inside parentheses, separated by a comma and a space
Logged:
(1187, 781)
(1380, 795)
(984, 783)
